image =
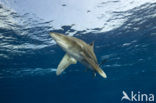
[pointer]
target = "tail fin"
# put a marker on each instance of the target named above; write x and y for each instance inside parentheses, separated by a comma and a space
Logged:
(101, 72)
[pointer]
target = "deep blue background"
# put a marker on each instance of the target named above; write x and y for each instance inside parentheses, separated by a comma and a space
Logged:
(130, 67)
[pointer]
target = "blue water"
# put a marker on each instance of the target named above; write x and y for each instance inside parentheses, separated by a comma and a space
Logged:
(29, 58)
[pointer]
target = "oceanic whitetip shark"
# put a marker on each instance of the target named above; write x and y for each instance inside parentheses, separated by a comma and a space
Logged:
(76, 50)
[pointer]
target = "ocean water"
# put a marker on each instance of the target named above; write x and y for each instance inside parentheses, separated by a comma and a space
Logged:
(29, 58)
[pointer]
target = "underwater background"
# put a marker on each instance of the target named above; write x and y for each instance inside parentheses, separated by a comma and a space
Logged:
(124, 33)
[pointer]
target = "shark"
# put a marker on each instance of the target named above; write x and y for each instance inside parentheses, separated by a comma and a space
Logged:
(76, 50)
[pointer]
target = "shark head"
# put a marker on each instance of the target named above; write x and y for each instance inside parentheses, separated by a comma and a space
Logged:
(69, 44)
(61, 40)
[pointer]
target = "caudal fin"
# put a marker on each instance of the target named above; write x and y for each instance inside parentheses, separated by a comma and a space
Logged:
(101, 72)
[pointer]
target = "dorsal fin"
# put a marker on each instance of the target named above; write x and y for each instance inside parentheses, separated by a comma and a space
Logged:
(92, 44)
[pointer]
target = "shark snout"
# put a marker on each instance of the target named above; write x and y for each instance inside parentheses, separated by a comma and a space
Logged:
(55, 36)
(60, 39)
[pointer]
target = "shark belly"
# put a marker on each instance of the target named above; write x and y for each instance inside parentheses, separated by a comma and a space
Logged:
(79, 58)
(78, 55)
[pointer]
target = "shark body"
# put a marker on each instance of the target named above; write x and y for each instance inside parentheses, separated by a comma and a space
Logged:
(76, 50)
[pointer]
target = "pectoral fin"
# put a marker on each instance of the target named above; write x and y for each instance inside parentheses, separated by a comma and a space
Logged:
(65, 62)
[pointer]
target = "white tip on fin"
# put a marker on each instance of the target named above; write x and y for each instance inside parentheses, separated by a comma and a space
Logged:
(65, 62)
(102, 73)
